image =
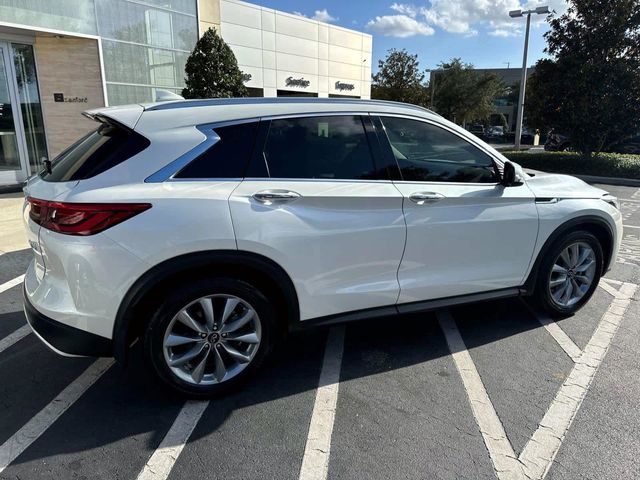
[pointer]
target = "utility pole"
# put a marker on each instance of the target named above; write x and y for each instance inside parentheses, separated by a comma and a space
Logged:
(523, 81)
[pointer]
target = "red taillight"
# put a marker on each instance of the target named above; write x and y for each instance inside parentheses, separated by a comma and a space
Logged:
(81, 218)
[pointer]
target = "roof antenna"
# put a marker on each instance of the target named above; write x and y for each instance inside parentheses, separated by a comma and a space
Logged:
(166, 96)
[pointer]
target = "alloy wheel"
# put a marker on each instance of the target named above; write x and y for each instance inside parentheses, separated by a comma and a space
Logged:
(212, 339)
(572, 274)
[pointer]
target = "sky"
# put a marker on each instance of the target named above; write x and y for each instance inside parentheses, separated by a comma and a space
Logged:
(478, 31)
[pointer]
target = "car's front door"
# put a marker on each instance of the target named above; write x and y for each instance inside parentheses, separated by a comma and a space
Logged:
(466, 233)
(315, 202)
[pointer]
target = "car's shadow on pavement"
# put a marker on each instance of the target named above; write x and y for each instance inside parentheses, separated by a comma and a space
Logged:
(127, 409)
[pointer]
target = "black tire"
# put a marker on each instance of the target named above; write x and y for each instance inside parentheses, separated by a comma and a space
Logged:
(542, 294)
(183, 295)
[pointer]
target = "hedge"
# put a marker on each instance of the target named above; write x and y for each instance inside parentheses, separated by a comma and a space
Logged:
(603, 165)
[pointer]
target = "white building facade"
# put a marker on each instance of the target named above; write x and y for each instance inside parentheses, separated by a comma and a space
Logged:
(59, 58)
(283, 54)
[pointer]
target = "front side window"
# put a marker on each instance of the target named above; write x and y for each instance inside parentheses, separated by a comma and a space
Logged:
(331, 147)
(427, 153)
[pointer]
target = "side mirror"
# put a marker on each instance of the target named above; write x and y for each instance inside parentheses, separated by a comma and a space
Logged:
(509, 176)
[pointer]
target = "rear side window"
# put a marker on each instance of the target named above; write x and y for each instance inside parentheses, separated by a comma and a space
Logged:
(331, 147)
(95, 153)
(427, 153)
(228, 157)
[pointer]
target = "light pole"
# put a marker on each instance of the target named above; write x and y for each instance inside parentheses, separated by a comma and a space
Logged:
(523, 81)
(432, 83)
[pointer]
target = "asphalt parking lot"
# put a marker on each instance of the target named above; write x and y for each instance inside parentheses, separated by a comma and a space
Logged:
(491, 390)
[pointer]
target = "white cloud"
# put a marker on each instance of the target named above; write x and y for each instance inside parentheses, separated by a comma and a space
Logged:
(404, 9)
(323, 16)
(502, 32)
(465, 16)
(319, 15)
(401, 26)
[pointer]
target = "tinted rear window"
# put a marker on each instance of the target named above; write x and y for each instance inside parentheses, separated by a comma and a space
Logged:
(95, 153)
(228, 157)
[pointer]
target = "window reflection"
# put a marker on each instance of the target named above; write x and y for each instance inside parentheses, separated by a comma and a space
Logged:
(30, 106)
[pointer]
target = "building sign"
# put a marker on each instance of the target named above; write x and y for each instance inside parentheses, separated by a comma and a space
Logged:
(59, 97)
(297, 82)
(342, 86)
(246, 77)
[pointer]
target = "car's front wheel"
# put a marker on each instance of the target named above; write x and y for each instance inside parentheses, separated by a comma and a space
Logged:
(209, 336)
(569, 273)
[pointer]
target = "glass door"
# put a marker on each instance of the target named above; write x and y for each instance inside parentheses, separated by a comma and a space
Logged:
(13, 168)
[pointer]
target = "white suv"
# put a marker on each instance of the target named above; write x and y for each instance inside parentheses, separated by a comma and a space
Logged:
(209, 228)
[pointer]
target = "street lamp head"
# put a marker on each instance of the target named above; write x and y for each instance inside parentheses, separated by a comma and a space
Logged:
(542, 10)
(515, 13)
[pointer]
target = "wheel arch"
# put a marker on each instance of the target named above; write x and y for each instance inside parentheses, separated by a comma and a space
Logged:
(256, 269)
(593, 224)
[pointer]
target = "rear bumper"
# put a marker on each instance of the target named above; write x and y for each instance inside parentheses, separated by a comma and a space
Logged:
(64, 339)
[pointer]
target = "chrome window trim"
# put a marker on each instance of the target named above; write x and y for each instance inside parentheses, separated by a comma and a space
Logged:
(168, 172)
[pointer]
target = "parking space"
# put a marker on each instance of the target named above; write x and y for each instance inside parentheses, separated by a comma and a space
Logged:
(491, 390)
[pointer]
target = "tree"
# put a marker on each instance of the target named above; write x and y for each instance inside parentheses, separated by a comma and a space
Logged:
(463, 94)
(399, 79)
(590, 87)
(212, 70)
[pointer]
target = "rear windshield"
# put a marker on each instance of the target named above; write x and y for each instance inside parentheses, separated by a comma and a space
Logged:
(95, 153)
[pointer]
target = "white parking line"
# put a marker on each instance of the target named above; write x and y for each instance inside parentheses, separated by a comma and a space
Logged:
(552, 328)
(495, 438)
(16, 336)
(540, 451)
(315, 462)
(630, 226)
(38, 424)
(604, 284)
(536, 459)
(568, 345)
(161, 462)
(11, 283)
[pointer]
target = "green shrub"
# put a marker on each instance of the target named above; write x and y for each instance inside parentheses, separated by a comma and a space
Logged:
(603, 165)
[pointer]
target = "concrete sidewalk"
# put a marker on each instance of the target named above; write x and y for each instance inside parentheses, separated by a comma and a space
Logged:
(12, 232)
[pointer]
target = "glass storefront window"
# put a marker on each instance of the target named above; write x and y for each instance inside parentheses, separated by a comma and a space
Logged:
(145, 44)
(136, 64)
(68, 15)
(30, 106)
(137, 23)
(127, 94)
(9, 155)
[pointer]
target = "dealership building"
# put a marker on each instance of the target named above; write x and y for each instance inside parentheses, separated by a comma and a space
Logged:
(59, 58)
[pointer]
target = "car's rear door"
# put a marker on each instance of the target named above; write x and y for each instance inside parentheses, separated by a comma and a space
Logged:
(316, 202)
(466, 233)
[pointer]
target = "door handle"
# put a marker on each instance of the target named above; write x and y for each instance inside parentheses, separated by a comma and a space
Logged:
(422, 198)
(269, 197)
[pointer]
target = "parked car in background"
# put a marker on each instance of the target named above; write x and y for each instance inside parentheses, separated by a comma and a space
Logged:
(494, 134)
(557, 142)
(207, 229)
(476, 129)
(632, 145)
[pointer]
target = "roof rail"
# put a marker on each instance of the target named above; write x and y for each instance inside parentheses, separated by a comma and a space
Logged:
(271, 100)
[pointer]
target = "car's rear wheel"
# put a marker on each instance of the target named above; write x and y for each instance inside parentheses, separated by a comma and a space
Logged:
(210, 336)
(569, 273)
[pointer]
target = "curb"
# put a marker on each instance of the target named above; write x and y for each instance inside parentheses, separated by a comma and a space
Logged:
(624, 182)
(17, 188)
